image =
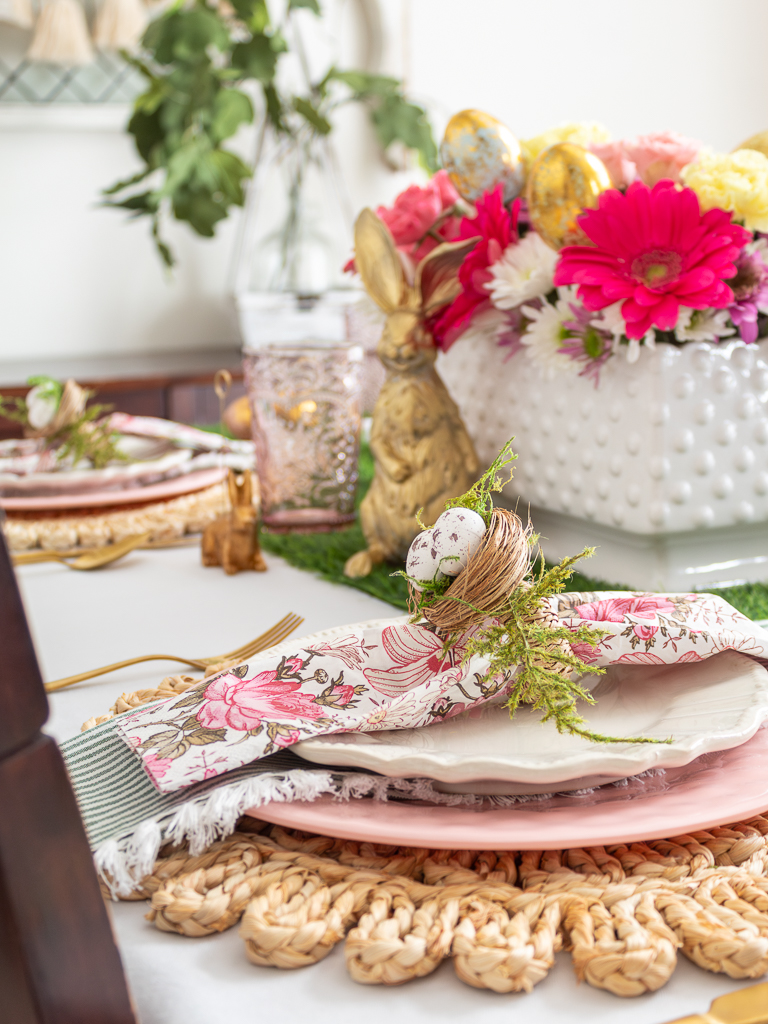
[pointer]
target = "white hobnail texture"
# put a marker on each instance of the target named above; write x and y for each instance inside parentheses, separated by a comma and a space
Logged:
(672, 446)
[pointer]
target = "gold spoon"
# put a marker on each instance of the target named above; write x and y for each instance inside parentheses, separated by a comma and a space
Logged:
(93, 559)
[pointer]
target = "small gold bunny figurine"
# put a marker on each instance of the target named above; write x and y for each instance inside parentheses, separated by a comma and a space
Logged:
(423, 453)
(232, 540)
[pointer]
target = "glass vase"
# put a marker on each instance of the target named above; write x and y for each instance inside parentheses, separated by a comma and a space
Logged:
(305, 402)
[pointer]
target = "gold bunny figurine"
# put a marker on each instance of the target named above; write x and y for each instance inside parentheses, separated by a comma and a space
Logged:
(423, 453)
(232, 540)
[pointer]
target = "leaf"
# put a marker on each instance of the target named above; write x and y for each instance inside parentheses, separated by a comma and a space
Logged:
(158, 738)
(311, 5)
(199, 209)
(165, 253)
(364, 84)
(182, 165)
(190, 700)
(147, 132)
(254, 13)
(311, 114)
(396, 120)
(274, 108)
(198, 29)
(142, 203)
(173, 750)
(203, 736)
(120, 185)
(258, 57)
(231, 108)
(231, 171)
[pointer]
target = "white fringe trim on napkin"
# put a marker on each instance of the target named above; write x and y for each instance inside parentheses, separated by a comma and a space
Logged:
(123, 862)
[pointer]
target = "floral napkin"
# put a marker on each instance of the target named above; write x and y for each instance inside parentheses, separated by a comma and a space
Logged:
(397, 675)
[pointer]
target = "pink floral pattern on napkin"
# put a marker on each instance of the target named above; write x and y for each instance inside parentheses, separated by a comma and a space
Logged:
(399, 676)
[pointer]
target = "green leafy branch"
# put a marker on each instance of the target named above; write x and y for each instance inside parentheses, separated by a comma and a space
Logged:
(195, 57)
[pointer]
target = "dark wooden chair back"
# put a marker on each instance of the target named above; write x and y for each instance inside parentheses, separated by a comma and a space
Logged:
(58, 960)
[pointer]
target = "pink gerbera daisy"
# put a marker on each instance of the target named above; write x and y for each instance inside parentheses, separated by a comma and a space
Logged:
(654, 250)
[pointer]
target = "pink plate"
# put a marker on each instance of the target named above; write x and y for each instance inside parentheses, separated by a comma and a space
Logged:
(161, 491)
(730, 785)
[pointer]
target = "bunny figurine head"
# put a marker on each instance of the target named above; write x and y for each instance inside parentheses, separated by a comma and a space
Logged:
(406, 343)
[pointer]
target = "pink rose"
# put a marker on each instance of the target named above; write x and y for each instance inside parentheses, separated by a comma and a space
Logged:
(157, 766)
(617, 609)
(645, 632)
(287, 739)
(586, 652)
(416, 216)
(621, 169)
(343, 694)
(661, 155)
(234, 703)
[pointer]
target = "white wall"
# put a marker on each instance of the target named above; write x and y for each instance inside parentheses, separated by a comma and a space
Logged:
(79, 280)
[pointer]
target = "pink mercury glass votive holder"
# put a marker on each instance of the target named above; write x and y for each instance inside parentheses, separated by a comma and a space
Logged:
(305, 401)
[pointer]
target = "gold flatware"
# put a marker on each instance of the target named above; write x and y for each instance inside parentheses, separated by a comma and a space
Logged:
(30, 557)
(90, 558)
(273, 636)
(747, 1006)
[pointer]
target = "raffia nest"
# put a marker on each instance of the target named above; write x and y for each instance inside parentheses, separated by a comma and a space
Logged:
(496, 569)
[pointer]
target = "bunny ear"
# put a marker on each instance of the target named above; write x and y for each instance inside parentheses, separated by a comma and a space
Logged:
(437, 274)
(377, 261)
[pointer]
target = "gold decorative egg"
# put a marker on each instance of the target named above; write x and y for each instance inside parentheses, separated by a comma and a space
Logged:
(479, 152)
(564, 180)
(757, 142)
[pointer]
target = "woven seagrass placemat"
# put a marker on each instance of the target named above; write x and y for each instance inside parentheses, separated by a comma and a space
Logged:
(625, 913)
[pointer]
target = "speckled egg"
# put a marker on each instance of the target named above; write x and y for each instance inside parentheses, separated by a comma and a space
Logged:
(456, 536)
(479, 152)
(423, 562)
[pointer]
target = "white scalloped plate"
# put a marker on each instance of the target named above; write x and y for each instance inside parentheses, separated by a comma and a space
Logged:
(704, 706)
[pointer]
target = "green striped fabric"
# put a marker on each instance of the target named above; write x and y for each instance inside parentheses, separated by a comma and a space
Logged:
(114, 793)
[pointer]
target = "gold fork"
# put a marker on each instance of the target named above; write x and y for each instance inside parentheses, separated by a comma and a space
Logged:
(273, 636)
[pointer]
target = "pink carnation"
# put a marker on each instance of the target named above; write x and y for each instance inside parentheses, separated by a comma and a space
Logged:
(419, 219)
(661, 155)
(613, 154)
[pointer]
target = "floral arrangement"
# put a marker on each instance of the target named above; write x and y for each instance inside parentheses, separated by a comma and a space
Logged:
(673, 249)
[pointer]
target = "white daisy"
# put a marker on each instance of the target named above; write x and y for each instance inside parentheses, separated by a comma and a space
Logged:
(702, 324)
(524, 272)
(546, 332)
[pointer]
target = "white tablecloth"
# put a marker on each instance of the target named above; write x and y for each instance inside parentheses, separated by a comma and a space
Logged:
(165, 601)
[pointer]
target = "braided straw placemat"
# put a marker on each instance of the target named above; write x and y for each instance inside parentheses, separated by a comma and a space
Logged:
(164, 520)
(622, 911)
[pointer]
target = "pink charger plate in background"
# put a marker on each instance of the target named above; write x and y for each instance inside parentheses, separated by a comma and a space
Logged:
(717, 788)
(160, 491)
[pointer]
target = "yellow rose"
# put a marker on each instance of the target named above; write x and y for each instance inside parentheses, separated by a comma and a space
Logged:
(737, 182)
(579, 132)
